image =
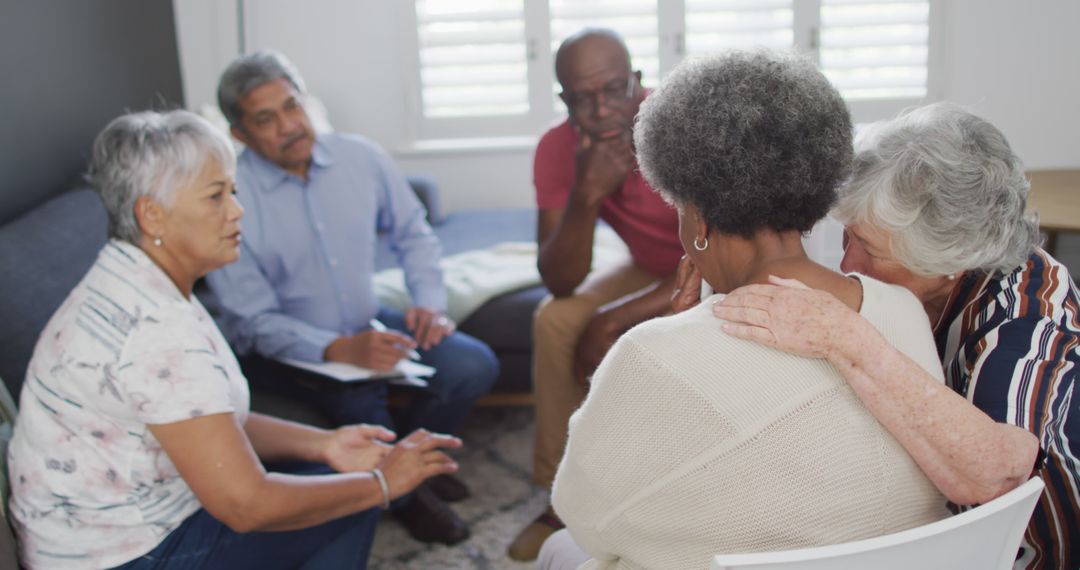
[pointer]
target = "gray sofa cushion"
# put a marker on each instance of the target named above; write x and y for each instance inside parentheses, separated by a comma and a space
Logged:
(43, 255)
(505, 322)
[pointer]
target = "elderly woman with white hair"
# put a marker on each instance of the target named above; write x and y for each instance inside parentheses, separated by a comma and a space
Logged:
(937, 204)
(135, 447)
(692, 442)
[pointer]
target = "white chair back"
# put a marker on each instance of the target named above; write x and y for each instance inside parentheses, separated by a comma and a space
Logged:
(984, 538)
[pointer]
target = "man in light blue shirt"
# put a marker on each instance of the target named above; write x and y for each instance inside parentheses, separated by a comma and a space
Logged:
(303, 287)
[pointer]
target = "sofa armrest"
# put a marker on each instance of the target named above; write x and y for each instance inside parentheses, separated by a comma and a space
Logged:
(427, 190)
(44, 253)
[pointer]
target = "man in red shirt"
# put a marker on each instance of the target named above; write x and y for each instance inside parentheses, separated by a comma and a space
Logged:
(585, 169)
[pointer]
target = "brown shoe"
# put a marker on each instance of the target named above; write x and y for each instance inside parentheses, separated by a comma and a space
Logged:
(429, 519)
(527, 545)
(448, 488)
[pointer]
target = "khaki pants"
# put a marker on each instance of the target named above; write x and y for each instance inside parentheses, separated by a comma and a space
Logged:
(557, 326)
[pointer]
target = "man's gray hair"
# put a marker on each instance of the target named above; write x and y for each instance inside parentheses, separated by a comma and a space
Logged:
(753, 139)
(151, 154)
(248, 72)
(947, 189)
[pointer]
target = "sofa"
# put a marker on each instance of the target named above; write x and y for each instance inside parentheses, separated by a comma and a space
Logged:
(45, 252)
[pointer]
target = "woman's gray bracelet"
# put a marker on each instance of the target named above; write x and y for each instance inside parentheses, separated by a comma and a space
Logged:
(382, 485)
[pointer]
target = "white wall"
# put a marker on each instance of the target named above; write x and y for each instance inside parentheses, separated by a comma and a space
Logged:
(1016, 63)
(207, 35)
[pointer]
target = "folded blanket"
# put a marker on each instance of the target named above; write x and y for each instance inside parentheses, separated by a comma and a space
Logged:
(473, 278)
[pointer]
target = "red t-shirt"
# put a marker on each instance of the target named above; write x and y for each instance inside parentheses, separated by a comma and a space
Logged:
(648, 224)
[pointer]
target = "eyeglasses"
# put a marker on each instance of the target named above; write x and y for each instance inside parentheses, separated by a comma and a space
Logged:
(615, 93)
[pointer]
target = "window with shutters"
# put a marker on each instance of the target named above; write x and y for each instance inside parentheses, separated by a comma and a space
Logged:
(485, 68)
(716, 25)
(473, 60)
(876, 50)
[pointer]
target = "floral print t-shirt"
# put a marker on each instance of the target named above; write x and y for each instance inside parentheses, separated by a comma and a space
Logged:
(91, 486)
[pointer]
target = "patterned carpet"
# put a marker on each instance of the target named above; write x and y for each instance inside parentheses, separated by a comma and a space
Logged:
(495, 463)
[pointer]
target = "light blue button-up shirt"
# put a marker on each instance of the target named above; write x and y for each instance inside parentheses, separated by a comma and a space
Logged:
(307, 257)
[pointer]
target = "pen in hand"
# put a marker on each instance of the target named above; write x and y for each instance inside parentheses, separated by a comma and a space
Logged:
(377, 326)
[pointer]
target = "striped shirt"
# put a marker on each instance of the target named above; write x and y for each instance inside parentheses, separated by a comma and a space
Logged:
(1009, 344)
(91, 487)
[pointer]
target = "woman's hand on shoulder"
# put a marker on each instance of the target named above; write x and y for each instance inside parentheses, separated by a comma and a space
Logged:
(415, 458)
(789, 316)
(359, 447)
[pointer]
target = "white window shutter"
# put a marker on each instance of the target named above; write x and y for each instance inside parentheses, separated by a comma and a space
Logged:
(473, 59)
(875, 49)
(634, 20)
(717, 25)
(484, 70)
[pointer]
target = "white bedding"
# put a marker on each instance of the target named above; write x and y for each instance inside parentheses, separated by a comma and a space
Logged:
(474, 277)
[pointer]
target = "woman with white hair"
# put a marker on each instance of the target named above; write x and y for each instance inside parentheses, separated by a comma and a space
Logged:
(692, 442)
(937, 204)
(135, 446)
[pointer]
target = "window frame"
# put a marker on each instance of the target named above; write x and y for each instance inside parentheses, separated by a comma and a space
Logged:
(422, 131)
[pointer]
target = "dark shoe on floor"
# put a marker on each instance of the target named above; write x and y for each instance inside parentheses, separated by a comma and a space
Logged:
(527, 545)
(429, 519)
(448, 488)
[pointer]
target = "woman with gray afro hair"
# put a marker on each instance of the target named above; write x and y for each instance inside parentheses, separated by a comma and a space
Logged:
(938, 204)
(688, 432)
(752, 139)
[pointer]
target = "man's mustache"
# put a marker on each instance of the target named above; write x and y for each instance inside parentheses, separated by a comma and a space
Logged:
(293, 140)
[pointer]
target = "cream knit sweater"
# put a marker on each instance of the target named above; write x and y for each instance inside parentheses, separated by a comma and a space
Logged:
(692, 443)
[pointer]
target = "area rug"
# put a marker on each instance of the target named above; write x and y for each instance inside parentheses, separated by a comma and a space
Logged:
(495, 463)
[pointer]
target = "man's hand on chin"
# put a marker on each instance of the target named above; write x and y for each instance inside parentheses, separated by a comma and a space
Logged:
(603, 164)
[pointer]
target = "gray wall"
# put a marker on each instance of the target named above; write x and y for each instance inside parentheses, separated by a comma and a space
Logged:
(66, 68)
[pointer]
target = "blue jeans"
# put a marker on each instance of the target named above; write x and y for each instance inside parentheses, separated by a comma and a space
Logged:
(203, 542)
(466, 369)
